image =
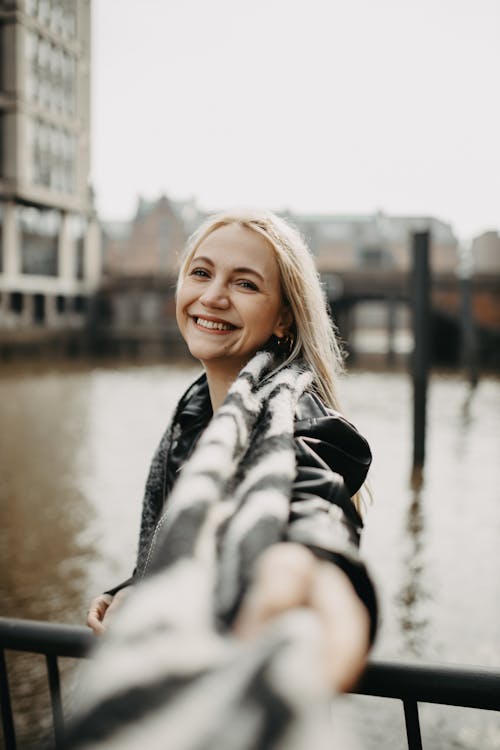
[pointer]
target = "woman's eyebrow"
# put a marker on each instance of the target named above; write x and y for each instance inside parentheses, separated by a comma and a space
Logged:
(203, 258)
(244, 269)
(239, 269)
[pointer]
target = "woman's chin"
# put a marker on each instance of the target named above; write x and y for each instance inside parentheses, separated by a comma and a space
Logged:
(217, 355)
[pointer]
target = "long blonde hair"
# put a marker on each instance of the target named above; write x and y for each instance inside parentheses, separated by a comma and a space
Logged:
(315, 336)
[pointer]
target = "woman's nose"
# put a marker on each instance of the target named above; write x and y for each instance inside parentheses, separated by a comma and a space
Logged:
(215, 295)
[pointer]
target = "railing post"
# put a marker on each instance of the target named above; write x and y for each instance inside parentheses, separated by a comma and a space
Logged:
(9, 732)
(412, 725)
(55, 699)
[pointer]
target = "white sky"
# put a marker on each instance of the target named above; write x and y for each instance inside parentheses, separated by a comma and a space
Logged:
(341, 106)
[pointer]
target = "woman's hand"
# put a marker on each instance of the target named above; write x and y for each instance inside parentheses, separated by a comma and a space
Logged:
(288, 576)
(102, 608)
(97, 612)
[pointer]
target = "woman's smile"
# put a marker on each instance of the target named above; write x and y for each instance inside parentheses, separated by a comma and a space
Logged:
(213, 325)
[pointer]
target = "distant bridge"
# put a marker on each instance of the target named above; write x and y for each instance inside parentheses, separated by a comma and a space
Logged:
(359, 285)
(134, 314)
(347, 290)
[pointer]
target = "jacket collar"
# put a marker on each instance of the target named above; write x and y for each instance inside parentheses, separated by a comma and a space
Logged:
(195, 406)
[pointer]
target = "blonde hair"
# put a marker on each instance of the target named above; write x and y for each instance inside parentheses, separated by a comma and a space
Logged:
(315, 338)
(315, 343)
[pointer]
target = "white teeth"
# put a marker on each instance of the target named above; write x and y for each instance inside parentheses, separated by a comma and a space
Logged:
(213, 324)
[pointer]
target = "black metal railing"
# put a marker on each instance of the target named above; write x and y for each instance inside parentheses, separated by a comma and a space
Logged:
(410, 683)
(53, 641)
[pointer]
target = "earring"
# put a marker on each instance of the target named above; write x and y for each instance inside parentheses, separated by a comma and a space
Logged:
(285, 344)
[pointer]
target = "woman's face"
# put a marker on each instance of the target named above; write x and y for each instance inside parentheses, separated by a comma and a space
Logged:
(230, 301)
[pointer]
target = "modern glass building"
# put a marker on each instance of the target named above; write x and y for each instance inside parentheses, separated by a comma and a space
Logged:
(49, 237)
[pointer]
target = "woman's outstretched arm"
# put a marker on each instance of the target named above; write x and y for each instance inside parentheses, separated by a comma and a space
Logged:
(289, 576)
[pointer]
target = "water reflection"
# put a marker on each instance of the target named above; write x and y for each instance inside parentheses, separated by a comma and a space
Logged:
(466, 411)
(413, 594)
(74, 451)
(43, 427)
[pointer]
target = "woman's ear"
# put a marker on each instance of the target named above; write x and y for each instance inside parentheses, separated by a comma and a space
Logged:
(284, 322)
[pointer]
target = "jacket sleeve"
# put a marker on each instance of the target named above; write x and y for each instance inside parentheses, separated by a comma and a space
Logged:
(332, 462)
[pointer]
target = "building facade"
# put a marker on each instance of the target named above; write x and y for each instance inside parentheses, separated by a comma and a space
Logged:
(152, 243)
(486, 253)
(376, 242)
(49, 235)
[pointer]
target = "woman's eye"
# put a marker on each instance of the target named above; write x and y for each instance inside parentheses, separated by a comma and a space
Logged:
(199, 272)
(248, 285)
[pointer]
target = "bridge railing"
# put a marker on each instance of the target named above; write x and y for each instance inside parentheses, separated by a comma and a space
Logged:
(410, 683)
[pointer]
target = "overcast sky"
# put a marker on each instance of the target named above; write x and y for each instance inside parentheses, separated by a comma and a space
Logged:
(338, 106)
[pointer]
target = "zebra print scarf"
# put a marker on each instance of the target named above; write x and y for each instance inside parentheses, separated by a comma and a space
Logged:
(166, 674)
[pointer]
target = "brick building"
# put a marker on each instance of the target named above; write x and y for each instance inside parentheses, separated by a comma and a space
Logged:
(150, 244)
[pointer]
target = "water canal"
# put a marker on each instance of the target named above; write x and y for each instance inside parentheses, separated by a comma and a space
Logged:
(75, 445)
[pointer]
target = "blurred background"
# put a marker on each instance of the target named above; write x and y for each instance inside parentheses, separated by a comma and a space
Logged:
(122, 125)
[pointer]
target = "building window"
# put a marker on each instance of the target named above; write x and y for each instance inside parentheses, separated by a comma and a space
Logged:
(60, 304)
(2, 125)
(1, 238)
(39, 238)
(58, 15)
(51, 80)
(30, 7)
(53, 157)
(80, 304)
(16, 302)
(78, 228)
(80, 258)
(39, 308)
(374, 257)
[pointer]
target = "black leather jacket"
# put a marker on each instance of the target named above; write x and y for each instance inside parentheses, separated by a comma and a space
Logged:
(332, 463)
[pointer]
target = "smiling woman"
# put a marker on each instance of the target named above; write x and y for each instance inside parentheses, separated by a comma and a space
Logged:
(248, 572)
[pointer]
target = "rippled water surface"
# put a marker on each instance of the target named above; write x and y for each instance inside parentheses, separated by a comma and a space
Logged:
(74, 452)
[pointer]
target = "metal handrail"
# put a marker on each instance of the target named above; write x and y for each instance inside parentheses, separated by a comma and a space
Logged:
(411, 683)
(51, 639)
(38, 637)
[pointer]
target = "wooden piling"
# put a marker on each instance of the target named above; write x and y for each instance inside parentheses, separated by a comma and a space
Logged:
(391, 330)
(421, 351)
(468, 348)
